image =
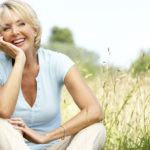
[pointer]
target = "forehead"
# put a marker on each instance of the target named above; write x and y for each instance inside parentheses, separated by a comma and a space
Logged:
(8, 17)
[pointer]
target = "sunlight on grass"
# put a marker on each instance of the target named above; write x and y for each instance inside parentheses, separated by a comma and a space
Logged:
(125, 101)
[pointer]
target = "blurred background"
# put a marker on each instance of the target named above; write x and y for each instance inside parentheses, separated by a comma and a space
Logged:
(116, 31)
(109, 40)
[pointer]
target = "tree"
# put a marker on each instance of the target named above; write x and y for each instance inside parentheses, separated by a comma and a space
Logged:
(62, 35)
(142, 64)
(61, 40)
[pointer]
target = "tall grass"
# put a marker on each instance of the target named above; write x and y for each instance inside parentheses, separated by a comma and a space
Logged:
(126, 105)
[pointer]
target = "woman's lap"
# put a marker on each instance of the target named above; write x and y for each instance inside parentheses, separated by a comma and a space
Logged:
(90, 138)
(10, 139)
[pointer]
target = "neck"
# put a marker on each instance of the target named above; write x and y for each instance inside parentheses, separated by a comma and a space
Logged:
(31, 58)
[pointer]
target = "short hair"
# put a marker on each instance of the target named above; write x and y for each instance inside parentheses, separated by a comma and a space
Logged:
(26, 12)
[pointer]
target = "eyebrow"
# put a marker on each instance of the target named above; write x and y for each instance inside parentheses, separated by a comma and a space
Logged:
(18, 21)
(7, 24)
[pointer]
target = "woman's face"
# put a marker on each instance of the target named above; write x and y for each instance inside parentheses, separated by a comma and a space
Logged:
(17, 32)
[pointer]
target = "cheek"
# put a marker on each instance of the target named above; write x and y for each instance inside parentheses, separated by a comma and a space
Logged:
(28, 30)
(5, 37)
(28, 33)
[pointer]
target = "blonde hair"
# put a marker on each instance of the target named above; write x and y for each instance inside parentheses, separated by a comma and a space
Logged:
(26, 12)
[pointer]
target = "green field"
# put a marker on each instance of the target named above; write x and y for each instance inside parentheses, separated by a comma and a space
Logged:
(125, 101)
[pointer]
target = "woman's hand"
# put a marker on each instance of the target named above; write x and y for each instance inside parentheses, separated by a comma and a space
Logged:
(11, 50)
(28, 133)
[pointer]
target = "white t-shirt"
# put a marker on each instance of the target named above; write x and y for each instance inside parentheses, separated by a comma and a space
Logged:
(44, 115)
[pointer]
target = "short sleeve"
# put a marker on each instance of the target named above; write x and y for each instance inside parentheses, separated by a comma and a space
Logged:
(63, 64)
(3, 68)
(1, 77)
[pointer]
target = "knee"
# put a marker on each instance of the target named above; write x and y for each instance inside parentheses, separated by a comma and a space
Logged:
(5, 134)
(96, 127)
(5, 127)
(97, 134)
(92, 138)
(7, 131)
(98, 131)
(10, 138)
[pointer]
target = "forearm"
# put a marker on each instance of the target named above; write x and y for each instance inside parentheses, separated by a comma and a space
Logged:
(9, 92)
(74, 125)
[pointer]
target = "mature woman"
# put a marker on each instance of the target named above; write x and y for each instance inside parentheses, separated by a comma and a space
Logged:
(31, 79)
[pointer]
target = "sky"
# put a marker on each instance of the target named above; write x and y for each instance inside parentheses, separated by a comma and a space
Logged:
(123, 26)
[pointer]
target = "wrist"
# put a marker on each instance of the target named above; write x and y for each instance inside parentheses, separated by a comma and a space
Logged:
(64, 129)
(46, 138)
(20, 58)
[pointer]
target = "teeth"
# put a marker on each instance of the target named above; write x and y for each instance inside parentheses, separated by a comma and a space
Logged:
(18, 41)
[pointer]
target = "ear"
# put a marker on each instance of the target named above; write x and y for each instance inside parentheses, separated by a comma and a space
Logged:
(35, 31)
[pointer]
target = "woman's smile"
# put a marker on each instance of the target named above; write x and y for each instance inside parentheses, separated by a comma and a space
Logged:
(18, 42)
(17, 31)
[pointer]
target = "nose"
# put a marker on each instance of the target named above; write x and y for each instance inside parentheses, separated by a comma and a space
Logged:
(15, 30)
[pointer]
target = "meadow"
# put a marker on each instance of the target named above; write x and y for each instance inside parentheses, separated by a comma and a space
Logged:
(125, 101)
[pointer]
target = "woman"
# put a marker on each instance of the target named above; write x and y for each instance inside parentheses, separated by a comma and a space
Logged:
(31, 79)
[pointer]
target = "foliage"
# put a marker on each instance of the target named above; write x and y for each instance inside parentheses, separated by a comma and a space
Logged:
(125, 102)
(141, 65)
(61, 35)
(87, 61)
(61, 40)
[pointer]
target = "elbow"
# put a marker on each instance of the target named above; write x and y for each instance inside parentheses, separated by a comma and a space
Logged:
(4, 115)
(94, 114)
(5, 110)
(98, 115)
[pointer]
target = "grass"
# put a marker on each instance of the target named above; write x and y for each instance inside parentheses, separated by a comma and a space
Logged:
(126, 105)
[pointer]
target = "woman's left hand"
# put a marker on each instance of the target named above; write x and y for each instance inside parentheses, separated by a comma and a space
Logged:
(28, 133)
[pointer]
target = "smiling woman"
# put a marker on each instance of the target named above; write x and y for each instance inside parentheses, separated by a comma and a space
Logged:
(31, 80)
(17, 20)
(17, 32)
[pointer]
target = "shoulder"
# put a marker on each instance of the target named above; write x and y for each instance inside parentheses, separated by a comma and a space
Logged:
(57, 63)
(49, 55)
(5, 67)
(2, 55)
(43, 51)
(48, 52)
(4, 58)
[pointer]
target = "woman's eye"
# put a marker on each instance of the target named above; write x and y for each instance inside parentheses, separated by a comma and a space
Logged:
(22, 24)
(6, 28)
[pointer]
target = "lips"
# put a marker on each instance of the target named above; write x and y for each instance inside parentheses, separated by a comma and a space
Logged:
(18, 42)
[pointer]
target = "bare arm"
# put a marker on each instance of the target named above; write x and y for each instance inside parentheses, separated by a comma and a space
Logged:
(9, 92)
(90, 111)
